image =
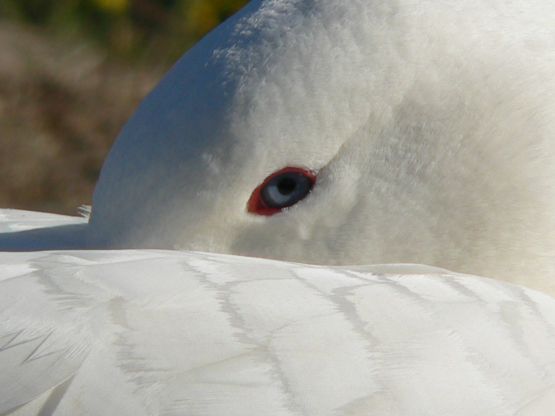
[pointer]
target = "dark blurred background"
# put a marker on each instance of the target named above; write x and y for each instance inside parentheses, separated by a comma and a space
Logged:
(71, 73)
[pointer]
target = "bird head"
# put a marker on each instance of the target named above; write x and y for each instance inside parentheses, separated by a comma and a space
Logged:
(352, 132)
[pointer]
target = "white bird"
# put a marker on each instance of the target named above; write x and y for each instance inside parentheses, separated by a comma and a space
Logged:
(327, 132)
(429, 124)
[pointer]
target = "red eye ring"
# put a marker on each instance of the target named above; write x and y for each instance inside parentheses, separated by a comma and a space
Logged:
(257, 204)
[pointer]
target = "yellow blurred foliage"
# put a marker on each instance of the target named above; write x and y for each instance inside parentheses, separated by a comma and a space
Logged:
(203, 15)
(156, 29)
(68, 99)
(113, 6)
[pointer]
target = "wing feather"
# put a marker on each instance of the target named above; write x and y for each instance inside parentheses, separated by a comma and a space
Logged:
(14, 220)
(154, 332)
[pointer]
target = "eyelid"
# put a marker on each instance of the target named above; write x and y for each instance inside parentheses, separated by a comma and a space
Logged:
(256, 205)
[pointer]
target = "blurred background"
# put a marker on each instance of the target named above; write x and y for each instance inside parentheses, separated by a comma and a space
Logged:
(71, 73)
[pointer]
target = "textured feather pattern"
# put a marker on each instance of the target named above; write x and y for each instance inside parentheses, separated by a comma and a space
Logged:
(169, 333)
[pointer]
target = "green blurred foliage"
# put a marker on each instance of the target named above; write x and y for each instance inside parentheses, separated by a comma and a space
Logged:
(151, 29)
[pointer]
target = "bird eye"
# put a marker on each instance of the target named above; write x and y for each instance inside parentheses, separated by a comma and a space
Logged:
(281, 190)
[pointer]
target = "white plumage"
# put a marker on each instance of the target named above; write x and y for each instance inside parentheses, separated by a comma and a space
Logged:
(431, 127)
(176, 333)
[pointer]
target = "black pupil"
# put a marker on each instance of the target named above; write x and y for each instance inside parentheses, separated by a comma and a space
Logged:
(285, 190)
(286, 186)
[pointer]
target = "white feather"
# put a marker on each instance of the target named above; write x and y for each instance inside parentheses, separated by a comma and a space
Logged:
(180, 333)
